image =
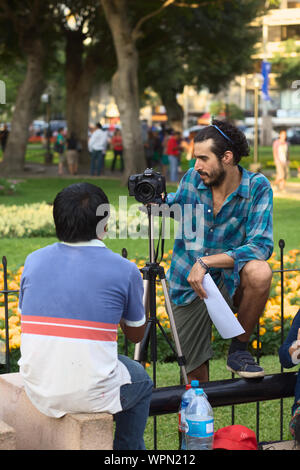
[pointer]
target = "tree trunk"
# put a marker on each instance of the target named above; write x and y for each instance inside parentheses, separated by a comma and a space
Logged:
(173, 108)
(28, 98)
(125, 86)
(79, 80)
(81, 114)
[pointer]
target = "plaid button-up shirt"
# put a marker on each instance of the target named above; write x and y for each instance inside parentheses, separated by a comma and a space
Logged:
(243, 229)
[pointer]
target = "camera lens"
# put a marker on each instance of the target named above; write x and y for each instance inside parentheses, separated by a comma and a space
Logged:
(144, 192)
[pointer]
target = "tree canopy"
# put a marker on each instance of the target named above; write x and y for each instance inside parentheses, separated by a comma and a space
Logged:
(164, 44)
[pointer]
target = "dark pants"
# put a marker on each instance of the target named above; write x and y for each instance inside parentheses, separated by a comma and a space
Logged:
(116, 154)
(135, 401)
(96, 161)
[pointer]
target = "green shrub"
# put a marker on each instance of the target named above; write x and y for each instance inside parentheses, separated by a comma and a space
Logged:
(8, 187)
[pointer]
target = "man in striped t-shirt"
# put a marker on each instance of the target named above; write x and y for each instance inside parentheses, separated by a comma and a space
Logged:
(73, 296)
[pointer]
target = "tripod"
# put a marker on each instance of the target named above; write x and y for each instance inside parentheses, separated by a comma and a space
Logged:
(150, 272)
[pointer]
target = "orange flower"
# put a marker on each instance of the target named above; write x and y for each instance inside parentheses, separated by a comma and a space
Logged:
(255, 345)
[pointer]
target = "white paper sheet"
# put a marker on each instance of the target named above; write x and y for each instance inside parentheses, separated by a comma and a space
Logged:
(219, 311)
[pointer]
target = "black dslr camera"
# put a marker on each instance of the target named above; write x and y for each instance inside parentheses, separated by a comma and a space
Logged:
(147, 187)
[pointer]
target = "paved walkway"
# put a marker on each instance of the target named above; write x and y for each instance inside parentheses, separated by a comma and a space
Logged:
(51, 171)
(292, 191)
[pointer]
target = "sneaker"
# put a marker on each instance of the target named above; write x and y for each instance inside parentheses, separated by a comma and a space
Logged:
(243, 364)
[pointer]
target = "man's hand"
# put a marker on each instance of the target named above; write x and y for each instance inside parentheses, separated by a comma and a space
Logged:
(294, 349)
(195, 279)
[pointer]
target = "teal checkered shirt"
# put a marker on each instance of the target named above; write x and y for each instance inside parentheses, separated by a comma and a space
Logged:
(243, 229)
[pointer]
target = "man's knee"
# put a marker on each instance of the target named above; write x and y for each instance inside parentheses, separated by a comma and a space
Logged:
(256, 274)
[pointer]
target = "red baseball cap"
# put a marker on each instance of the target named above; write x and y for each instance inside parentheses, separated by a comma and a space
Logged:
(235, 437)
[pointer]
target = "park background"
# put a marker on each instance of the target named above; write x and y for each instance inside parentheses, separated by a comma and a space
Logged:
(53, 74)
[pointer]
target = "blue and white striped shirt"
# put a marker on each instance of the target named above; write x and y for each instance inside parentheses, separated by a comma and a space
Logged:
(72, 298)
(243, 229)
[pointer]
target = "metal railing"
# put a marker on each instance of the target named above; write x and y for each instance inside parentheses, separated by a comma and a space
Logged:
(221, 393)
(6, 292)
(239, 391)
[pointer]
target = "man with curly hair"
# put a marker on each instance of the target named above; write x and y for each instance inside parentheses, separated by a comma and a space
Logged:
(238, 239)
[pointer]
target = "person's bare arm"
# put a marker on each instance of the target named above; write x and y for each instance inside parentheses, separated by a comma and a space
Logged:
(294, 349)
(197, 272)
(134, 334)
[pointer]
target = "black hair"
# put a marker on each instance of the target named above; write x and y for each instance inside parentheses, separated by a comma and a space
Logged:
(236, 141)
(74, 212)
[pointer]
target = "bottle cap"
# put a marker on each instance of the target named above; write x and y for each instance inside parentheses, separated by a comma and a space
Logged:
(195, 383)
(188, 386)
(199, 391)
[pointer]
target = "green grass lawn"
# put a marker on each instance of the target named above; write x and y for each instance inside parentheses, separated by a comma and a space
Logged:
(286, 226)
(286, 218)
(245, 414)
(32, 190)
(45, 189)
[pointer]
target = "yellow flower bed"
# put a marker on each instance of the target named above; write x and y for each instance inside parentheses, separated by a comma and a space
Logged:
(30, 220)
(273, 306)
(14, 322)
(271, 315)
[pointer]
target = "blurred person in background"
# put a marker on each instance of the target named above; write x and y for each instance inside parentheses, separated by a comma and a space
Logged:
(97, 146)
(281, 160)
(173, 152)
(4, 136)
(117, 146)
(59, 148)
(72, 153)
(164, 157)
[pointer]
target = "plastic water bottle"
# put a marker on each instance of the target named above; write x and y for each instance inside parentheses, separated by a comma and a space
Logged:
(186, 398)
(199, 423)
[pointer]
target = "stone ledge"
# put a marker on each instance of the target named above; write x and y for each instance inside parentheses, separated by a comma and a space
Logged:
(278, 445)
(35, 431)
(7, 437)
